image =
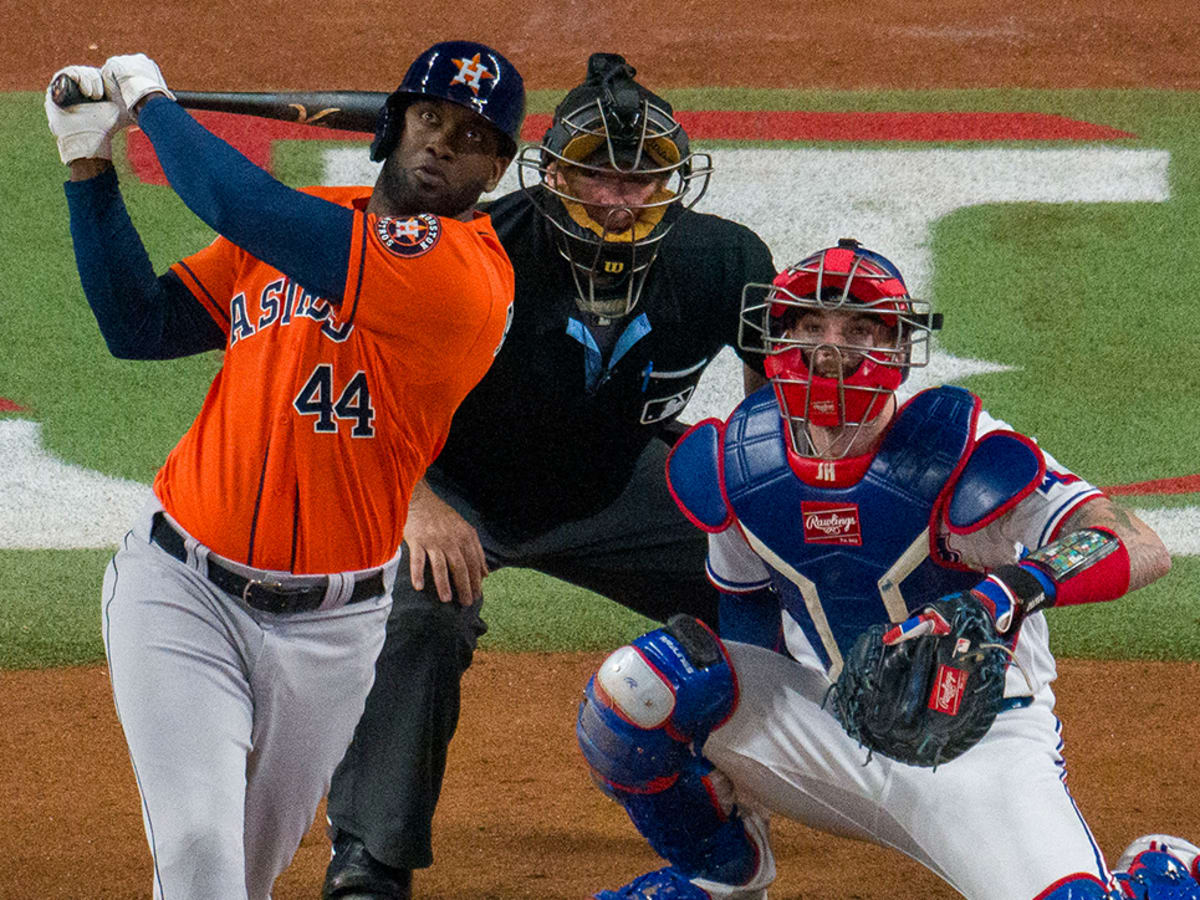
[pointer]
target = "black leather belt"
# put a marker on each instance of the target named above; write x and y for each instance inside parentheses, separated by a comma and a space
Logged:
(268, 596)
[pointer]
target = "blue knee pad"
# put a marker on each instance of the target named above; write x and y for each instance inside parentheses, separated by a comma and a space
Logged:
(644, 717)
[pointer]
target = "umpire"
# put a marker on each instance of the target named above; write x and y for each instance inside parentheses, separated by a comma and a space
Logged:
(555, 461)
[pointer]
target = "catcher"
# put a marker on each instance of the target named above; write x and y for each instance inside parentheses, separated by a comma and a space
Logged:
(911, 544)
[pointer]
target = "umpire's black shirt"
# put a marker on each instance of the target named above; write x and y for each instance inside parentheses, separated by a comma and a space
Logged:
(534, 444)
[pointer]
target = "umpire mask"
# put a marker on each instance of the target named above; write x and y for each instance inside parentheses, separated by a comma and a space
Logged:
(611, 176)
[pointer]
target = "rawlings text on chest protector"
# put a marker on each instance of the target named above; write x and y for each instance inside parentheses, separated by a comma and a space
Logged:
(879, 524)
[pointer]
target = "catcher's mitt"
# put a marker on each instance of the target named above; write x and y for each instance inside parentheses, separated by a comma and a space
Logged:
(927, 697)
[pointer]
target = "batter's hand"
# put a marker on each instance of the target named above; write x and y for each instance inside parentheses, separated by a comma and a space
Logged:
(132, 78)
(85, 131)
(436, 533)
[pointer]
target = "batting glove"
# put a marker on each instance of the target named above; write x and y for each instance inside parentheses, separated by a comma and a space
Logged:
(85, 131)
(133, 77)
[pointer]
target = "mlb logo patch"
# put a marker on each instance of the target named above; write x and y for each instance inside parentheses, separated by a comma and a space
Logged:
(948, 688)
(831, 523)
(409, 235)
(664, 407)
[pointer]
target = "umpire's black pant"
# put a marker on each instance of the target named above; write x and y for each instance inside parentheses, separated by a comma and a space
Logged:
(640, 552)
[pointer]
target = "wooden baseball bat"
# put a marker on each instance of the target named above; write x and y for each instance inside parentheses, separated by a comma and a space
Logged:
(347, 110)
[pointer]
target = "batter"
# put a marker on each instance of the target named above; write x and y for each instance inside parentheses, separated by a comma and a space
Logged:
(243, 612)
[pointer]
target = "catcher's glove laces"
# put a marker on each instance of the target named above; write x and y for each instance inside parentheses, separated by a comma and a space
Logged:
(1012, 657)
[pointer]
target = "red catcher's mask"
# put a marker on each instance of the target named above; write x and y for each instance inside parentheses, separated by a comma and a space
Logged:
(842, 279)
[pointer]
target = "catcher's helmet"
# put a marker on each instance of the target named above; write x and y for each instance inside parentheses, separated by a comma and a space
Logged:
(463, 72)
(608, 124)
(851, 278)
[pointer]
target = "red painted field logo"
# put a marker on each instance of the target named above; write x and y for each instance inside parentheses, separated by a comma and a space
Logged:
(831, 523)
(948, 690)
(253, 136)
(410, 235)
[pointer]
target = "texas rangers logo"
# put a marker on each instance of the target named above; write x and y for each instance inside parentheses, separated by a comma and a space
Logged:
(409, 235)
(471, 72)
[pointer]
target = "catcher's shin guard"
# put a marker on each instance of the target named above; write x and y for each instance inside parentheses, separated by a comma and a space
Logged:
(1078, 887)
(643, 719)
(668, 884)
(1159, 867)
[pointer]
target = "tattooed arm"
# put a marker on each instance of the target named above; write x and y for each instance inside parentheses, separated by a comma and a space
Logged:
(1148, 556)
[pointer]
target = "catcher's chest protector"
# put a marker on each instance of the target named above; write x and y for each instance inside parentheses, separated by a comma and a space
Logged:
(862, 550)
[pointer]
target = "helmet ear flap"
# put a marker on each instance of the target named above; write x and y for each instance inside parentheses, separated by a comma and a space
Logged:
(388, 127)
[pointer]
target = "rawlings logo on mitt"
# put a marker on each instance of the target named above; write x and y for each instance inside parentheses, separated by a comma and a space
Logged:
(924, 692)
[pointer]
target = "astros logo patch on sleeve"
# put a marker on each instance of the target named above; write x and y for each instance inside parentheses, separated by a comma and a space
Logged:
(409, 235)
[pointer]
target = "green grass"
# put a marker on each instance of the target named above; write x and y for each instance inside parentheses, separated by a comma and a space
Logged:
(529, 611)
(1161, 621)
(59, 624)
(51, 612)
(116, 417)
(526, 610)
(1092, 301)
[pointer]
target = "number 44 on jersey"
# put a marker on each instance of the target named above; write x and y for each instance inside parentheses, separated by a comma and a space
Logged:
(353, 403)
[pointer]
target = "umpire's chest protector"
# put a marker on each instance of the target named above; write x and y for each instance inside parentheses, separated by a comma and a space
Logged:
(845, 556)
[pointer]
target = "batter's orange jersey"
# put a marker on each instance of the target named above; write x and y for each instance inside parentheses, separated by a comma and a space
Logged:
(323, 416)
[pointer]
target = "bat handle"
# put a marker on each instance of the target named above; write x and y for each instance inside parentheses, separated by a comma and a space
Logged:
(64, 91)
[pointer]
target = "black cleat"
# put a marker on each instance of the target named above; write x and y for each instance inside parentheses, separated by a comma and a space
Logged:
(354, 874)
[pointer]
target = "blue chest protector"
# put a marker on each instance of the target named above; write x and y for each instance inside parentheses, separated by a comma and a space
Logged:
(841, 558)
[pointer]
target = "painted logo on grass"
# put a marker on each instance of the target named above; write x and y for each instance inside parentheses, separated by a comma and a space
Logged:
(889, 198)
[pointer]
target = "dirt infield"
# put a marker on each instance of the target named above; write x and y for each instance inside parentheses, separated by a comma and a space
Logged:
(365, 44)
(519, 818)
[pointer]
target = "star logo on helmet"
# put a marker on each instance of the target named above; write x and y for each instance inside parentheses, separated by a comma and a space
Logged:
(471, 72)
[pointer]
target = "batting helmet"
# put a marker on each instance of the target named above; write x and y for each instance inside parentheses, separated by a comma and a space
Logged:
(608, 124)
(846, 278)
(463, 72)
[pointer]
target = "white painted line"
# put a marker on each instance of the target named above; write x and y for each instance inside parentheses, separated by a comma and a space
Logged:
(797, 199)
(46, 503)
(1179, 527)
(802, 199)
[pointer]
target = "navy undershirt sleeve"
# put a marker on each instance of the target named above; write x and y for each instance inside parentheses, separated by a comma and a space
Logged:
(140, 315)
(305, 237)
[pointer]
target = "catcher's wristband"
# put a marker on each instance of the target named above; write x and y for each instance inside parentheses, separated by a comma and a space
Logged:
(1086, 566)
